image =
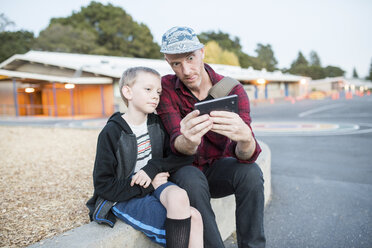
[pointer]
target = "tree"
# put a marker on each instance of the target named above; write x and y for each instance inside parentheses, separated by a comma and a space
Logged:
(333, 71)
(60, 38)
(314, 59)
(5, 22)
(355, 73)
(216, 55)
(265, 56)
(315, 72)
(15, 43)
(369, 77)
(246, 61)
(223, 40)
(114, 31)
(301, 60)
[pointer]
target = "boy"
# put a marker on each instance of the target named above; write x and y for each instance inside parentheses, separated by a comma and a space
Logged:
(132, 167)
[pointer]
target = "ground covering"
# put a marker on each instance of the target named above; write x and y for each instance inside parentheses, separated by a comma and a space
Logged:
(45, 180)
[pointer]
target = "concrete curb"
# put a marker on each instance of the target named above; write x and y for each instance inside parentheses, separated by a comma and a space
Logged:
(122, 235)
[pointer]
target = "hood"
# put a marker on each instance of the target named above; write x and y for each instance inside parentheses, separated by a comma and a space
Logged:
(118, 120)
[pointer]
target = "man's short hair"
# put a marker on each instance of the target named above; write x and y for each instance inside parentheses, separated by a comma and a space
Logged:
(130, 75)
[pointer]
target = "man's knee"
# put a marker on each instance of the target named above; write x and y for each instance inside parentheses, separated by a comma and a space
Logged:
(249, 176)
(192, 180)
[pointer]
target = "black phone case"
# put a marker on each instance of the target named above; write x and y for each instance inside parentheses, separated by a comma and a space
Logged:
(227, 103)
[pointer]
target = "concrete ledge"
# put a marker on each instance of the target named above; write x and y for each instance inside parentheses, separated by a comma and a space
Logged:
(122, 235)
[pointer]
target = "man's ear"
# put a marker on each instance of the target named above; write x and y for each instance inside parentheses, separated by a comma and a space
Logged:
(127, 92)
(202, 50)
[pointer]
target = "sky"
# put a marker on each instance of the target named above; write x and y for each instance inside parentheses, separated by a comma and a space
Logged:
(340, 31)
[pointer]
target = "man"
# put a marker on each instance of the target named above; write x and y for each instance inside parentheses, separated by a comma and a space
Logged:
(222, 142)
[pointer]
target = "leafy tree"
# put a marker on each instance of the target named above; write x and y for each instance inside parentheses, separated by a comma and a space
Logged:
(5, 22)
(215, 54)
(223, 40)
(302, 67)
(301, 60)
(333, 71)
(315, 72)
(15, 43)
(265, 56)
(369, 77)
(114, 31)
(246, 61)
(314, 59)
(231, 44)
(355, 73)
(60, 38)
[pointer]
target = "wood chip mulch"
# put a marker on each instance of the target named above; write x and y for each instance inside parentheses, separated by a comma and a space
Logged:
(45, 181)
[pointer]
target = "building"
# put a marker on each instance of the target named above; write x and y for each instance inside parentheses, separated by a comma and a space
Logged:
(340, 84)
(74, 85)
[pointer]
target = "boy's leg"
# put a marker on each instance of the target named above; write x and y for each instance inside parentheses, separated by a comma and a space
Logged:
(227, 176)
(178, 222)
(196, 231)
(195, 183)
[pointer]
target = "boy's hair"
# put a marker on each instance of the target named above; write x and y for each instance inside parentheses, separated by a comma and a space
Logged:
(130, 75)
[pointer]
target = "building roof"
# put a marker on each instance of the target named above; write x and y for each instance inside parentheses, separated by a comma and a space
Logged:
(48, 78)
(113, 67)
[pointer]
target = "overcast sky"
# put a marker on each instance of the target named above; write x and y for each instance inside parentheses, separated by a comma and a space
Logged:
(340, 31)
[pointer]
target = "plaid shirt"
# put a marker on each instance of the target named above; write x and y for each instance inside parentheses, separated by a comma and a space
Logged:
(177, 101)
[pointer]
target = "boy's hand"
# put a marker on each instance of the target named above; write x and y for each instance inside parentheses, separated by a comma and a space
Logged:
(141, 178)
(160, 179)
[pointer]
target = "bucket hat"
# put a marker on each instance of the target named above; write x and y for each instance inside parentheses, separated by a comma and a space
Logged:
(180, 40)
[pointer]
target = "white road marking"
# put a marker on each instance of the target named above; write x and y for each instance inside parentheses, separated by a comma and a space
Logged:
(320, 109)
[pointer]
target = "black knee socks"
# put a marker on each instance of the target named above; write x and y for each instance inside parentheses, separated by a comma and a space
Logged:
(177, 232)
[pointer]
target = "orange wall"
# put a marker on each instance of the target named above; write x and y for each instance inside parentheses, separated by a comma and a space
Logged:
(86, 100)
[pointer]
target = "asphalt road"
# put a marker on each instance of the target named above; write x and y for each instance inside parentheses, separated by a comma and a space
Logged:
(322, 177)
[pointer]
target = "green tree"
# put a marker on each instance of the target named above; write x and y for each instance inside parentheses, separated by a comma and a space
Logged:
(114, 31)
(333, 71)
(60, 38)
(355, 73)
(223, 40)
(314, 59)
(265, 56)
(18, 42)
(246, 61)
(369, 77)
(315, 72)
(300, 66)
(216, 55)
(231, 44)
(5, 22)
(301, 60)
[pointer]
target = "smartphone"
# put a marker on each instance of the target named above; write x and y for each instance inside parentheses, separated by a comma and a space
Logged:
(226, 103)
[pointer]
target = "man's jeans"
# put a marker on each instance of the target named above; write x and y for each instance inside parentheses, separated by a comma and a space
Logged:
(225, 177)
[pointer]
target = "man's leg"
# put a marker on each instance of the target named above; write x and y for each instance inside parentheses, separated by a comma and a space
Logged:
(194, 182)
(227, 176)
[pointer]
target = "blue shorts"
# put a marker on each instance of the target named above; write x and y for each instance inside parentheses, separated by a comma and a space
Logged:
(145, 214)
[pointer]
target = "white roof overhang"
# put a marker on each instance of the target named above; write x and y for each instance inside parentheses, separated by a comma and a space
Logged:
(56, 79)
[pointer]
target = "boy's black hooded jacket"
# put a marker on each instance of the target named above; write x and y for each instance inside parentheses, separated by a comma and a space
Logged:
(116, 158)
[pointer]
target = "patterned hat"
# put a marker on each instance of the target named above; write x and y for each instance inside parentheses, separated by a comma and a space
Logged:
(180, 40)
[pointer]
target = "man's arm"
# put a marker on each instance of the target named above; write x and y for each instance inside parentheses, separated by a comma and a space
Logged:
(245, 149)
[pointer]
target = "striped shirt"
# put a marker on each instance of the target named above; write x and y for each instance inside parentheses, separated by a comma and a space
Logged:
(143, 145)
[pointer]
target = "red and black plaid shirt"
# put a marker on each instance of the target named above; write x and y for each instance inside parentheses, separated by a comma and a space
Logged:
(177, 101)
